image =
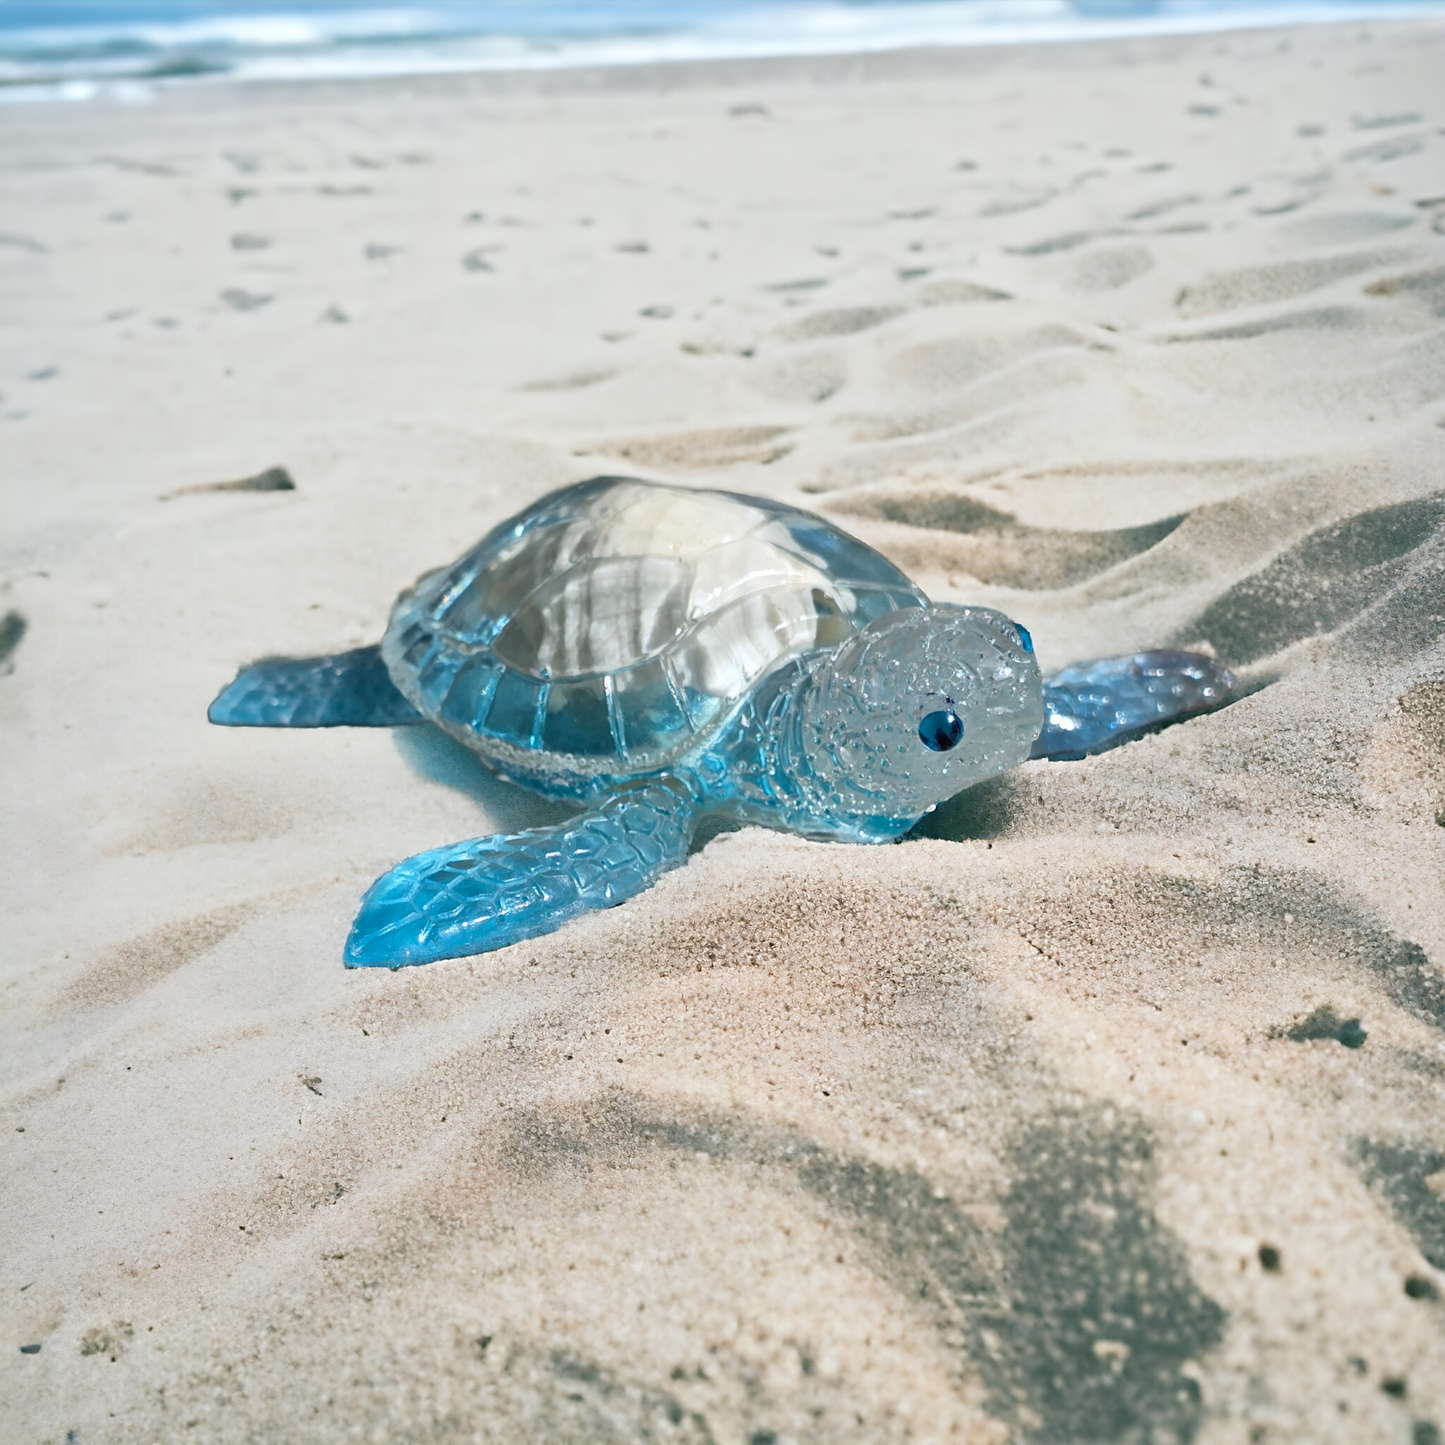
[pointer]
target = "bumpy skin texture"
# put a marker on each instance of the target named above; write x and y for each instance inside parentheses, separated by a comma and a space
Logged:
(1090, 708)
(857, 747)
(830, 746)
(484, 894)
(350, 689)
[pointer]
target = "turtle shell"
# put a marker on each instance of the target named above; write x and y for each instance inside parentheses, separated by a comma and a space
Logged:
(614, 626)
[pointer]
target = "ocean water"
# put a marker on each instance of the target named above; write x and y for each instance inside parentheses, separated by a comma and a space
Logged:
(78, 49)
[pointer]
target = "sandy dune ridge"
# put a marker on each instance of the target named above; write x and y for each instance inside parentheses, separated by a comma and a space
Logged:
(1107, 1109)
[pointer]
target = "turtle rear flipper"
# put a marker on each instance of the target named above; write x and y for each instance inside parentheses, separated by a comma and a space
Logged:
(349, 689)
(1101, 704)
(483, 894)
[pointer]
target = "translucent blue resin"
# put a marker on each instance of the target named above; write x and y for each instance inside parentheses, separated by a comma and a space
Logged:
(484, 894)
(351, 689)
(658, 654)
(1090, 708)
(941, 730)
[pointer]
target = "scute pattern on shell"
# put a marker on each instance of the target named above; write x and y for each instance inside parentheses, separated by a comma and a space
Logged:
(616, 624)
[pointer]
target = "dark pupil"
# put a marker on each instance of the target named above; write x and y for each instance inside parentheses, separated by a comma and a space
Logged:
(941, 730)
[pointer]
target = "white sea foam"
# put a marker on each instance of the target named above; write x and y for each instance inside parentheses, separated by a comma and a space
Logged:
(82, 61)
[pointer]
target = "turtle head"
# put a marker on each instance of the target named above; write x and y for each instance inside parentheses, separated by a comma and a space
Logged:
(913, 709)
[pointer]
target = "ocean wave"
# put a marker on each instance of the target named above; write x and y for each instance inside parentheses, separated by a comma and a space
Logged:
(125, 48)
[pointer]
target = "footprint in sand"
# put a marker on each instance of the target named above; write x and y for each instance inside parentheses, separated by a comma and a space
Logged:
(950, 292)
(1379, 122)
(1017, 199)
(1111, 268)
(1319, 318)
(1164, 207)
(1342, 228)
(1051, 244)
(1394, 149)
(955, 379)
(13, 627)
(1276, 194)
(995, 547)
(805, 283)
(956, 361)
(1260, 285)
(239, 300)
(843, 321)
(1427, 287)
(809, 379)
(572, 381)
(700, 450)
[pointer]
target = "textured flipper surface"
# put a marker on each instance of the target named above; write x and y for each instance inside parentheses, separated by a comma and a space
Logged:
(484, 894)
(1093, 707)
(351, 689)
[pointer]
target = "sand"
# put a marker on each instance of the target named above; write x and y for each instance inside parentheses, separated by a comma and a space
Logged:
(1109, 1110)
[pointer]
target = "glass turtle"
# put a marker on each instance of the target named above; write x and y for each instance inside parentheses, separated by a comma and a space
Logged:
(658, 654)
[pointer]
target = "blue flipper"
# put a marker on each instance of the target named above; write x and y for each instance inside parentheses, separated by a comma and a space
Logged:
(1088, 709)
(351, 689)
(484, 894)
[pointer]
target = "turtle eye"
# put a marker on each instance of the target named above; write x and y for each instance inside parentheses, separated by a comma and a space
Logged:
(1024, 638)
(941, 730)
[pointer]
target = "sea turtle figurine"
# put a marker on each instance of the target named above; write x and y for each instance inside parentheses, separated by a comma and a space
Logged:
(657, 654)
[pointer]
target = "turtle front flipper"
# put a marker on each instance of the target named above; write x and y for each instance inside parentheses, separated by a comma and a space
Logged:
(480, 895)
(1100, 704)
(350, 689)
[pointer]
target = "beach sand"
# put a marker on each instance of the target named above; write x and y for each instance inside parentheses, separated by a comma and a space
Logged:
(1111, 1110)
